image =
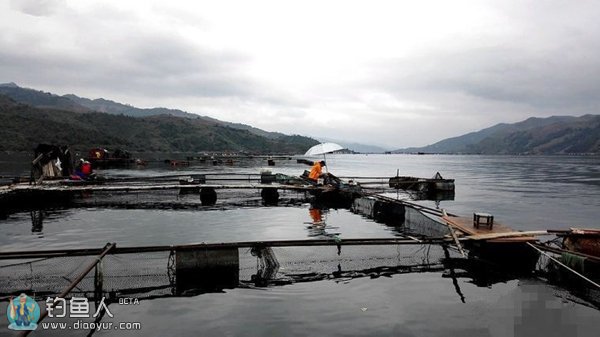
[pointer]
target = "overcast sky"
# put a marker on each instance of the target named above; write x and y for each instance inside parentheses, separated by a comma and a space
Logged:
(391, 73)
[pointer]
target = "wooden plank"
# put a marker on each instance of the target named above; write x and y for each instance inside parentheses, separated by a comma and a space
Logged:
(459, 225)
(465, 225)
(499, 233)
(529, 234)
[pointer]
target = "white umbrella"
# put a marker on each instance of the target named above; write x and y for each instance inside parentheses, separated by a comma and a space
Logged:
(323, 148)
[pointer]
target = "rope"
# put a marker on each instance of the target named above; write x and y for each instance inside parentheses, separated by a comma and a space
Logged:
(563, 265)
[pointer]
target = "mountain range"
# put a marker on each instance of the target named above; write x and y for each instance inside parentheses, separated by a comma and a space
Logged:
(70, 102)
(551, 135)
(31, 117)
(163, 129)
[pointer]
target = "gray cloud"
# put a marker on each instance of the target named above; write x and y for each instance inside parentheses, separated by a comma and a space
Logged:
(140, 63)
(36, 7)
(557, 82)
(549, 64)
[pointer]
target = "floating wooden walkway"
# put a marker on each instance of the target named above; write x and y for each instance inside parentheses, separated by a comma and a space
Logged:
(157, 187)
(18, 195)
(465, 230)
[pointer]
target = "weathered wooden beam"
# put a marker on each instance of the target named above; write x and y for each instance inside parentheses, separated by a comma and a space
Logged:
(489, 236)
(244, 244)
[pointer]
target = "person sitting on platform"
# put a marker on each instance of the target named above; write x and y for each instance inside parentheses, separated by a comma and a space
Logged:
(83, 171)
(316, 171)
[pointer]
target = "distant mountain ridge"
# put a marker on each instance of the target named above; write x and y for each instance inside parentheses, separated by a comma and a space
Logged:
(115, 108)
(551, 135)
(71, 102)
(40, 99)
(45, 118)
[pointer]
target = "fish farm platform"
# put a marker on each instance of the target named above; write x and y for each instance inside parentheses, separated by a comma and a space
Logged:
(156, 187)
(497, 233)
(21, 195)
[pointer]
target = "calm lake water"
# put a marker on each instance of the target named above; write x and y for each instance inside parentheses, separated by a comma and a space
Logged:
(524, 192)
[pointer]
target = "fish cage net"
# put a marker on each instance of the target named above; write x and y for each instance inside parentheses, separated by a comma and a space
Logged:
(175, 273)
(568, 271)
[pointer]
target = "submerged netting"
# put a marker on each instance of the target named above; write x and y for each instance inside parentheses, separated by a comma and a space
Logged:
(406, 219)
(46, 277)
(41, 276)
(552, 267)
(167, 273)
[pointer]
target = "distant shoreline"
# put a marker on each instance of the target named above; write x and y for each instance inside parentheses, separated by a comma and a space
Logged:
(225, 153)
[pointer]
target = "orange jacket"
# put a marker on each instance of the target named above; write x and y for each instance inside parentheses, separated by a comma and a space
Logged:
(315, 171)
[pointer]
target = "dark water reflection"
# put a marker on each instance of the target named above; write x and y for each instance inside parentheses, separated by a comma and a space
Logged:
(86, 228)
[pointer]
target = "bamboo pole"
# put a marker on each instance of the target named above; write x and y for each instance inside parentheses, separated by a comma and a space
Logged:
(453, 234)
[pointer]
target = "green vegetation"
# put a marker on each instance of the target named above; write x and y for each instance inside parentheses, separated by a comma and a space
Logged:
(24, 126)
(46, 100)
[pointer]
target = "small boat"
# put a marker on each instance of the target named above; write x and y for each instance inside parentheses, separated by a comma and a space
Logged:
(405, 183)
(435, 184)
(580, 249)
(439, 183)
(582, 240)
